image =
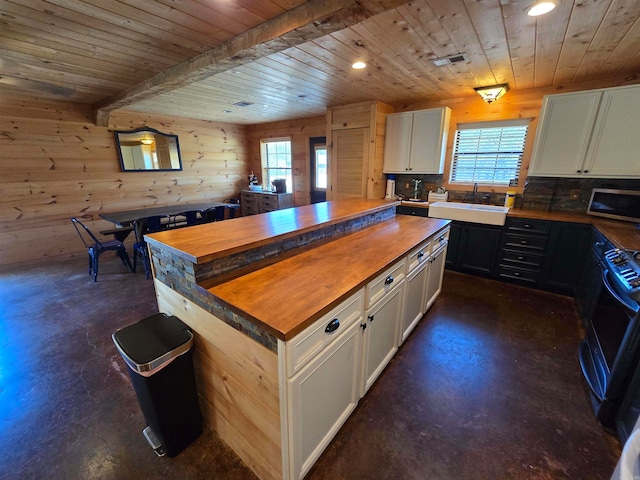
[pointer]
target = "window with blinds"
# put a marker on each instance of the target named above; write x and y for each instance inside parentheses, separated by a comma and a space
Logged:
(276, 161)
(489, 153)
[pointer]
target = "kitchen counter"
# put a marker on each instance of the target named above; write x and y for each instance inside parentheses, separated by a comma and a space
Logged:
(621, 234)
(248, 288)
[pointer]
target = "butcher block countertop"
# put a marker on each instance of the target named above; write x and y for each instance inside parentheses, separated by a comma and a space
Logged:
(290, 295)
(621, 234)
(203, 243)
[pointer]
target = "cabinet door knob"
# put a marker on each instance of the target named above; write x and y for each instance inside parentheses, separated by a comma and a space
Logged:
(370, 317)
(516, 274)
(420, 254)
(578, 171)
(526, 225)
(523, 242)
(586, 171)
(332, 326)
(388, 280)
(520, 258)
(363, 326)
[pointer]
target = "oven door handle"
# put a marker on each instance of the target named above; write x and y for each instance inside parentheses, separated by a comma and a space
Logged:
(585, 374)
(605, 280)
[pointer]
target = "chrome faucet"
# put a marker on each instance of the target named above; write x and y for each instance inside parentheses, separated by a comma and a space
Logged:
(473, 195)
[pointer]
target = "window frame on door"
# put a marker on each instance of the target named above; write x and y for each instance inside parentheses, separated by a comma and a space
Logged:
(509, 133)
(284, 145)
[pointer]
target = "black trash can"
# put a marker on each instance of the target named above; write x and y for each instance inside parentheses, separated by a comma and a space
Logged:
(159, 353)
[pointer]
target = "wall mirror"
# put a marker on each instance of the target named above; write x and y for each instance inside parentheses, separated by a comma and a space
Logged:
(147, 149)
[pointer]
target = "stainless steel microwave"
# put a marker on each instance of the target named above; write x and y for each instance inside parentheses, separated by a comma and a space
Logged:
(617, 204)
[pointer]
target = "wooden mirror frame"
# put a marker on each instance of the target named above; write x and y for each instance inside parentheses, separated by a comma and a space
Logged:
(146, 149)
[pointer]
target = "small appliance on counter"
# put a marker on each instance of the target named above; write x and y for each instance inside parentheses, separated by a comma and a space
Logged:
(280, 185)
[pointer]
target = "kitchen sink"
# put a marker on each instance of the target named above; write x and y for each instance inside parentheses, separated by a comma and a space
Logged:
(467, 212)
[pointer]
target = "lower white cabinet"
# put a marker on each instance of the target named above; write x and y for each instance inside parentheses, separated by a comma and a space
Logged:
(323, 394)
(434, 278)
(414, 302)
(380, 335)
(330, 365)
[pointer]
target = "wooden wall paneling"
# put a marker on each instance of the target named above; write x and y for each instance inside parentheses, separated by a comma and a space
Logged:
(56, 165)
(378, 184)
(299, 131)
(238, 383)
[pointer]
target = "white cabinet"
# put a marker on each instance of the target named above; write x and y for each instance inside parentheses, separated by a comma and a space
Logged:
(434, 277)
(380, 335)
(322, 396)
(416, 142)
(589, 134)
(417, 271)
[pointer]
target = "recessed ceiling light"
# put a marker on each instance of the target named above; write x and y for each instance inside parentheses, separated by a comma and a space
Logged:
(359, 65)
(541, 7)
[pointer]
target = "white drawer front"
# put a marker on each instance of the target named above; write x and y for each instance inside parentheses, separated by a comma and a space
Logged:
(418, 256)
(308, 343)
(439, 239)
(384, 282)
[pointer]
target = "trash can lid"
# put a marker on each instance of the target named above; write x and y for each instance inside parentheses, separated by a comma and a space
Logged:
(152, 342)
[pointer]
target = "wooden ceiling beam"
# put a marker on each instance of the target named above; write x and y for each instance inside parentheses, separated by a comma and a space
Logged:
(307, 22)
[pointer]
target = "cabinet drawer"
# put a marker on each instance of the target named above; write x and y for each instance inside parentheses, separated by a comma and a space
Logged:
(525, 225)
(526, 242)
(311, 341)
(249, 199)
(269, 201)
(439, 239)
(383, 283)
(520, 274)
(418, 256)
(249, 209)
(522, 259)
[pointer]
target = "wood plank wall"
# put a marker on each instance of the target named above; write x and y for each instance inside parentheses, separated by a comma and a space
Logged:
(57, 164)
(299, 130)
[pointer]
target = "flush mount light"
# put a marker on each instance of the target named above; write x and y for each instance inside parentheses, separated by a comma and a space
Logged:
(541, 7)
(147, 141)
(492, 93)
(359, 65)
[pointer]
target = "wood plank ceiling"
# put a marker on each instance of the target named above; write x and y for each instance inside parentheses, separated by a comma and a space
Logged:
(95, 51)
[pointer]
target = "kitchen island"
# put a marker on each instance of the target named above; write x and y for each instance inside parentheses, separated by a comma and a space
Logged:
(296, 312)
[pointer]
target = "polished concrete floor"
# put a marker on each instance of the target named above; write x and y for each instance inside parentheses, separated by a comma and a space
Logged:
(487, 387)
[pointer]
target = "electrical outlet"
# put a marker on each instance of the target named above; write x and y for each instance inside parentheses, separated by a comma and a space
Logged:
(575, 194)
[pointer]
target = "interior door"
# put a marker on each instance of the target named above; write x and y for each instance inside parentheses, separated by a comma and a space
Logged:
(349, 163)
(319, 177)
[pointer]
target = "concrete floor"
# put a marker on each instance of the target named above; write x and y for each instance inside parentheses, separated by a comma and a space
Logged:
(487, 387)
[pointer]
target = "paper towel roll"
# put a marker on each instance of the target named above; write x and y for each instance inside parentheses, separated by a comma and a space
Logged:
(391, 189)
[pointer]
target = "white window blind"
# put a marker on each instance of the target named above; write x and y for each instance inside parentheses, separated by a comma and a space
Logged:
(276, 161)
(489, 153)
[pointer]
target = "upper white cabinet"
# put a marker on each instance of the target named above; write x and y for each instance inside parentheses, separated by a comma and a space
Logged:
(416, 142)
(594, 134)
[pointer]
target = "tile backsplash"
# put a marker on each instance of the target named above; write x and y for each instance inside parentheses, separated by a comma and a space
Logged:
(540, 193)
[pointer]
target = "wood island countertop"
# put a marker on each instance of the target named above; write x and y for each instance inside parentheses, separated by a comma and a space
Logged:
(203, 243)
(290, 295)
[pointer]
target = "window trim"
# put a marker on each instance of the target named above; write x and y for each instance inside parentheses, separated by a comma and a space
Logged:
(519, 122)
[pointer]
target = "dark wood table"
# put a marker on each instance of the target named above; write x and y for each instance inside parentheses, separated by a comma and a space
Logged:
(123, 219)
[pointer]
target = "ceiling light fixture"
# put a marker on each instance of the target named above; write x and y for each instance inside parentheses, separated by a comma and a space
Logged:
(541, 7)
(147, 141)
(492, 93)
(359, 65)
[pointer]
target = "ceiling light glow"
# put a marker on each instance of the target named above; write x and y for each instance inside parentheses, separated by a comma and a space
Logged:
(541, 7)
(359, 65)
